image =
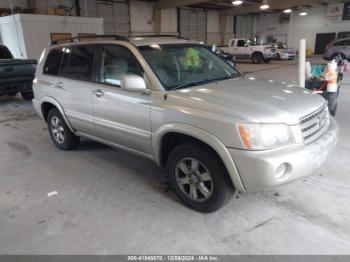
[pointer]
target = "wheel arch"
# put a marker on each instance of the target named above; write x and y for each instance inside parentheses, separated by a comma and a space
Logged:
(198, 135)
(47, 103)
(256, 52)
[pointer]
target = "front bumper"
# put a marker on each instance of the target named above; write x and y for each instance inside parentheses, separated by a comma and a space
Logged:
(257, 168)
(270, 55)
(287, 56)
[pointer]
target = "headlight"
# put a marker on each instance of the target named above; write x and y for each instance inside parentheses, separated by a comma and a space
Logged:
(265, 136)
(268, 50)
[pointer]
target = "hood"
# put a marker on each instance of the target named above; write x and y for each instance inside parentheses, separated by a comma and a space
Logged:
(254, 100)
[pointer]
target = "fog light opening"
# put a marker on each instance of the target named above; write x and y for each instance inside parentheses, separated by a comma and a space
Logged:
(281, 170)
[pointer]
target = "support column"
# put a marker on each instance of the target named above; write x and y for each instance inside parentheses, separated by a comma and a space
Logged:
(223, 29)
(158, 21)
(302, 61)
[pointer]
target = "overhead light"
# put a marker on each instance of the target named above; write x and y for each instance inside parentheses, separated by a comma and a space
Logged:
(264, 6)
(303, 13)
(237, 2)
(287, 11)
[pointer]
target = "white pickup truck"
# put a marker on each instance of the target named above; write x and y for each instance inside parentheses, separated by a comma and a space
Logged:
(244, 49)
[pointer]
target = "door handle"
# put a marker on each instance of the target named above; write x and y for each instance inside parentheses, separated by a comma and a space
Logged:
(98, 93)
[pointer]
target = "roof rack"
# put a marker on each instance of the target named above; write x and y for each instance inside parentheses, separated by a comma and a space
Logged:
(115, 37)
(155, 36)
(177, 36)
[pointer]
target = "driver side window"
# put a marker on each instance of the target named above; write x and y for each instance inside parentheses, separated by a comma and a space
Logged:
(241, 43)
(117, 61)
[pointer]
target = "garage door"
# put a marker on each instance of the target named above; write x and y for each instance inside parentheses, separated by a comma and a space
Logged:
(116, 18)
(193, 24)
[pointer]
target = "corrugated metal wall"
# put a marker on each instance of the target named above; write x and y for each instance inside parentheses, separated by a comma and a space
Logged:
(116, 17)
(193, 24)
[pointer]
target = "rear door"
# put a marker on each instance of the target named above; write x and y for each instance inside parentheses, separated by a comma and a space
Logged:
(121, 117)
(68, 77)
(76, 84)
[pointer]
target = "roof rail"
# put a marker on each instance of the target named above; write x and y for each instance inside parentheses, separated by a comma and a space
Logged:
(155, 36)
(177, 36)
(115, 37)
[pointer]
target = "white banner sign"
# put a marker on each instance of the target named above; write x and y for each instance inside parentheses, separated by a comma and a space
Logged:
(335, 10)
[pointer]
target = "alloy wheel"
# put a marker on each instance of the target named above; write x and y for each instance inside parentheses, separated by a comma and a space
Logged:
(194, 179)
(57, 130)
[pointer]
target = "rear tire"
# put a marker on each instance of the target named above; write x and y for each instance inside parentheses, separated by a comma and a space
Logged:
(28, 96)
(60, 134)
(198, 177)
(257, 58)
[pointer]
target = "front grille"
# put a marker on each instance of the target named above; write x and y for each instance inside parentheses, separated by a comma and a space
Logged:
(313, 125)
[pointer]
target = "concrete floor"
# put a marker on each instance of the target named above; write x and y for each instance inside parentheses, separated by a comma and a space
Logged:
(112, 202)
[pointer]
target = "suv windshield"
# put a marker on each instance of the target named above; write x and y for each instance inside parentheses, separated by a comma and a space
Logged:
(5, 53)
(184, 65)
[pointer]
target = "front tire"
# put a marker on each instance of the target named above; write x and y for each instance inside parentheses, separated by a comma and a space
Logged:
(257, 58)
(60, 134)
(198, 178)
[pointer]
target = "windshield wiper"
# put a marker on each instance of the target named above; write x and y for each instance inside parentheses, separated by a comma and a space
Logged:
(206, 81)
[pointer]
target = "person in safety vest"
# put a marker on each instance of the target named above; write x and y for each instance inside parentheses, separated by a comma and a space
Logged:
(192, 60)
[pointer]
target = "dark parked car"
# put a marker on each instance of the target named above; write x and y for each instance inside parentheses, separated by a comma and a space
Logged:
(16, 75)
(228, 57)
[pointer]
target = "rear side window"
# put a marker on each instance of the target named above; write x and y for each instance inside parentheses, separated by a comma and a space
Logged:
(77, 62)
(343, 43)
(5, 53)
(53, 60)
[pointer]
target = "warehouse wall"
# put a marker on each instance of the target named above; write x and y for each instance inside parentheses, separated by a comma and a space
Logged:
(308, 26)
(213, 27)
(169, 21)
(20, 3)
(269, 24)
(141, 18)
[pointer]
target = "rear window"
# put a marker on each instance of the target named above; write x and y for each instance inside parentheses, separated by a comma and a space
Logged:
(5, 53)
(53, 60)
(77, 62)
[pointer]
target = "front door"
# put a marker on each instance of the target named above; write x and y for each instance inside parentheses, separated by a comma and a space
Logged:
(121, 117)
(241, 49)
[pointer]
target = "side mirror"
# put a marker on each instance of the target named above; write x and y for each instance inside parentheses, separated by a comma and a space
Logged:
(133, 83)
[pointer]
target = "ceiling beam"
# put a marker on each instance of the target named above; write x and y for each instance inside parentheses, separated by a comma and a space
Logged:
(274, 5)
(163, 4)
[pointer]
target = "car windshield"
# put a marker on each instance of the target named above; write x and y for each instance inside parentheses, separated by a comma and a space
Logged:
(5, 53)
(185, 65)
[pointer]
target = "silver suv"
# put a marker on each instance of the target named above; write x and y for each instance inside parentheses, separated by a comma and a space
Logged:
(339, 47)
(181, 105)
